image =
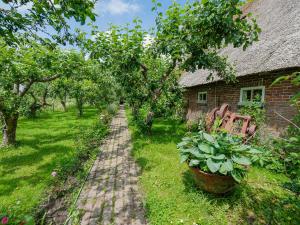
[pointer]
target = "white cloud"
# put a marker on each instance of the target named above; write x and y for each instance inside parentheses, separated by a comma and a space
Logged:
(119, 7)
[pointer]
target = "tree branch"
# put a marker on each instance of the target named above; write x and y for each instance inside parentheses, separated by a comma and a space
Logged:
(144, 71)
(42, 80)
(26, 88)
(47, 79)
(157, 92)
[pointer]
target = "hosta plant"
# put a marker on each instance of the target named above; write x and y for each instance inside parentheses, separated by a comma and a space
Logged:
(219, 153)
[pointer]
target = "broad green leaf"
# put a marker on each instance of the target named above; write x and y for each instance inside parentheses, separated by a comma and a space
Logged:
(182, 144)
(226, 167)
(194, 163)
(254, 151)
(194, 151)
(242, 160)
(212, 166)
(209, 138)
(183, 158)
(219, 157)
(205, 148)
(236, 176)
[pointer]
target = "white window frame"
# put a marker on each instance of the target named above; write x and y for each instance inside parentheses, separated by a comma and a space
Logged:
(198, 99)
(252, 88)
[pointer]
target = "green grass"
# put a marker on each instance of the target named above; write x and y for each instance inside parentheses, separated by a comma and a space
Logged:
(172, 198)
(43, 144)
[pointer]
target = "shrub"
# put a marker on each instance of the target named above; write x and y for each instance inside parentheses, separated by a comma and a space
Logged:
(256, 111)
(220, 153)
(112, 109)
(8, 216)
(87, 141)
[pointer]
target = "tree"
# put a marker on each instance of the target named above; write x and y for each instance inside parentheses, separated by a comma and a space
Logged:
(186, 38)
(33, 17)
(20, 69)
(60, 89)
(89, 84)
(36, 100)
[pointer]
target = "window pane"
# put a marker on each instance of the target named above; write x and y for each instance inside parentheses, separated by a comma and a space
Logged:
(246, 96)
(257, 95)
(204, 97)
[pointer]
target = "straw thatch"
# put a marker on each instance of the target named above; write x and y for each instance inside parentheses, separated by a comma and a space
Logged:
(278, 47)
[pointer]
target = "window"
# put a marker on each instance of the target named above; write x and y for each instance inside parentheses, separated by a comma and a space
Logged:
(202, 97)
(252, 94)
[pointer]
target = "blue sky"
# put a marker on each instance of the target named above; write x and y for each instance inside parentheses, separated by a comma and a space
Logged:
(118, 12)
(124, 11)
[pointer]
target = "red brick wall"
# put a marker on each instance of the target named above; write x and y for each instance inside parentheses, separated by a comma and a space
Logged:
(276, 97)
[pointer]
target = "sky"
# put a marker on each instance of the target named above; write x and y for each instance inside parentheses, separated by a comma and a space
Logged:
(120, 12)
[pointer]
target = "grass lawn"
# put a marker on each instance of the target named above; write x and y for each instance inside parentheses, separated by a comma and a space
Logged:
(44, 143)
(171, 196)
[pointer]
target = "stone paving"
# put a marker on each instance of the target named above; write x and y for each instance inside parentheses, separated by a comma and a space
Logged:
(110, 195)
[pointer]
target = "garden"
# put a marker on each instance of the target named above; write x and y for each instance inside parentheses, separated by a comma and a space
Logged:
(61, 87)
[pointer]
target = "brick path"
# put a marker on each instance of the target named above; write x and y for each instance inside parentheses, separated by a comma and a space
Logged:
(110, 195)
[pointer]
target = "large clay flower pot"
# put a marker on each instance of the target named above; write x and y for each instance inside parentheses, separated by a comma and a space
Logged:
(213, 183)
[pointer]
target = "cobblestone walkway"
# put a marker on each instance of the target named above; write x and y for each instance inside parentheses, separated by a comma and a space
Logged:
(110, 195)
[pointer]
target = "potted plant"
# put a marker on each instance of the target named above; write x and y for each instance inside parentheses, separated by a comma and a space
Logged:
(219, 161)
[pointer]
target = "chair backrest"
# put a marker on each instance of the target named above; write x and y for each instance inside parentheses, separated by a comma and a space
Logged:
(230, 121)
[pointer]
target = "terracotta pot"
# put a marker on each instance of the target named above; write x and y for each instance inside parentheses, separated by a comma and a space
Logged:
(213, 183)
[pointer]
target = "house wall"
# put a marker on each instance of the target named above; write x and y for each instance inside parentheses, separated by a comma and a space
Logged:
(276, 97)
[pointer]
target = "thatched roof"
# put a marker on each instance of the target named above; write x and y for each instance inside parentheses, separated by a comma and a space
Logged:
(278, 47)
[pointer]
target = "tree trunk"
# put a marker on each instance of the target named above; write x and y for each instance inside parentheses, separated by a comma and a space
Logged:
(135, 112)
(79, 104)
(9, 129)
(149, 121)
(63, 103)
(33, 110)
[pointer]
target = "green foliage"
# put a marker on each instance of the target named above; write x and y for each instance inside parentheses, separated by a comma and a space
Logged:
(187, 37)
(256, 111)
(31, 18)
(295, 80)
(112, 109)
(219, 153)
(21, 69)
(46, 143)
(88, 140)
(171, 195)
(284, 155)
(11, 217)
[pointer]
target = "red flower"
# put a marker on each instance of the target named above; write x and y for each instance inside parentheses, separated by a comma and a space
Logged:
(4, 220)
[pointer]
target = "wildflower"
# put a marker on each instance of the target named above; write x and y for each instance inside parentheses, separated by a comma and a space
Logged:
(4, 220)
(54, 174)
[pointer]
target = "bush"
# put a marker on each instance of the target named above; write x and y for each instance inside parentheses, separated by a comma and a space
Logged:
(8, 216)
(87, 141)
(219, 153)
(282, 154)
(112, 109)
(256, 111)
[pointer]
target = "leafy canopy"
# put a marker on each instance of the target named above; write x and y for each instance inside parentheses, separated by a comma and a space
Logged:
(30, 17)
(186, 37)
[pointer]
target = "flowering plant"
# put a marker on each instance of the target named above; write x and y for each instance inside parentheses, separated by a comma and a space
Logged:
(11, 216)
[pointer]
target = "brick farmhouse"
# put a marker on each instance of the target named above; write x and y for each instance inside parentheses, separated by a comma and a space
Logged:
(276, 53)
